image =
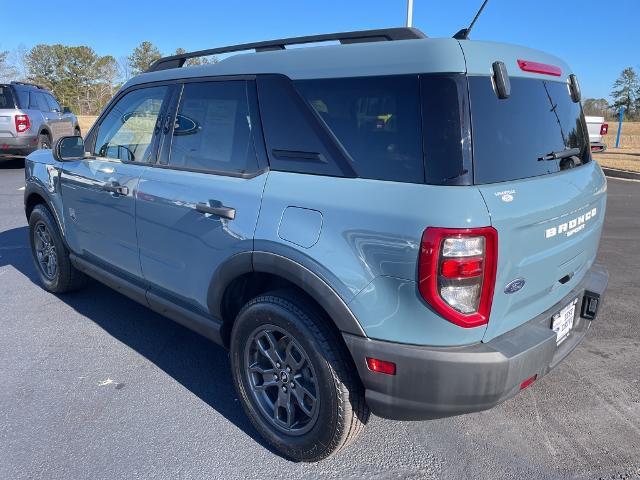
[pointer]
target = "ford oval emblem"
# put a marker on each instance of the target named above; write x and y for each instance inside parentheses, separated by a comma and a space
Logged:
(514, 285)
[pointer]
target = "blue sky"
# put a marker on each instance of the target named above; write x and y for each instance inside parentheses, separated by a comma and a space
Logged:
(597, 38)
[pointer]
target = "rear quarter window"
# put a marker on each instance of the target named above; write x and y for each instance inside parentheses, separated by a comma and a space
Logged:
(510, 136)
(377, 121)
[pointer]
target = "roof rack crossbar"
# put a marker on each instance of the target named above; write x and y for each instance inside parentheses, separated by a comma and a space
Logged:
(385, 34)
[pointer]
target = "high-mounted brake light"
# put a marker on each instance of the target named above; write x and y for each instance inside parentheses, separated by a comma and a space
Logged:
(604, 129)
(457, 273)
(22, 123)
(537, 67)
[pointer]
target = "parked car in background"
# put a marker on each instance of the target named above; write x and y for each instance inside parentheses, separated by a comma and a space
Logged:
(31, 119)
(394, 224)
(597, 128)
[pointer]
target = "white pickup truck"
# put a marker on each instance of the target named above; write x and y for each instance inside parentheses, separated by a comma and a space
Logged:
(597, 128)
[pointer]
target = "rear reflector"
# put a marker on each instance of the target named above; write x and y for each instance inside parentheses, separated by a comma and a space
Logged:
(604, 129)
(536, 67)
(381, 366)
(528, 382)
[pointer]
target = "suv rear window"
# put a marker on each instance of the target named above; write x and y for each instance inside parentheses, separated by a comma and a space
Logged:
(511, 136)
(6, 98)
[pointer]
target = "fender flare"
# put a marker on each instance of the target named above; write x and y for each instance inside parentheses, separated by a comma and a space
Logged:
(291, 270)
(32, 188)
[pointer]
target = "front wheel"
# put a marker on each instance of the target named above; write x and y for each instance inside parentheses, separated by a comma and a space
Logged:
(50, 256)
(295, 378)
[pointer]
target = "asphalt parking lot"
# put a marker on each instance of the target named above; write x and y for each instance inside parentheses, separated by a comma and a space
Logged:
(93, 385)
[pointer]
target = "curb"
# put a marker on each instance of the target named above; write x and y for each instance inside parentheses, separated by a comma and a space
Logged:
(615, 173)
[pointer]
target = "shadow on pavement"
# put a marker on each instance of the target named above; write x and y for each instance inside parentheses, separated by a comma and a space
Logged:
(198, 364)
(12, 164)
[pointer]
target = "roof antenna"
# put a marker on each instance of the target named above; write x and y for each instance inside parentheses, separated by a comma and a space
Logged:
(464, 33)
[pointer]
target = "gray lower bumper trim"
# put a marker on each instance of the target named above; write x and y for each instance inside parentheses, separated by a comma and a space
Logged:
(434, 382)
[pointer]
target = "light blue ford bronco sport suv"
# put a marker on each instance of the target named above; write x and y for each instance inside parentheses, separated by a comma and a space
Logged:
(390, 224)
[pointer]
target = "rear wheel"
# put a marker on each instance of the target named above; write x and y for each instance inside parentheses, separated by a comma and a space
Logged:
(295, 378)
(50, 255)
(44, 142)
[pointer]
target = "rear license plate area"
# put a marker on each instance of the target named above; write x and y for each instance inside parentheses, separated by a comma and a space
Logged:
(562, 322)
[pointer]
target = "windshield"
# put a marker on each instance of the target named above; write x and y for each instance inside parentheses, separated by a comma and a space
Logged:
(530, 133)
(6, 98)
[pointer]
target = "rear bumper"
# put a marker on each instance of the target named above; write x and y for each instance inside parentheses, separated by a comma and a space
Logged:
(435, 382)
(18, 146)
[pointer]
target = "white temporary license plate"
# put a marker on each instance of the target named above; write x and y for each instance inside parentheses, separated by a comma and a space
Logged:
(563, 321)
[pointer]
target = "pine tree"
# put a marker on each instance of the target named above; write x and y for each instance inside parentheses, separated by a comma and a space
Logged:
(142, 57)
(626, 92)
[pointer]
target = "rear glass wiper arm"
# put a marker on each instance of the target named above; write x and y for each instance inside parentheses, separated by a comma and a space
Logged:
(569, 152)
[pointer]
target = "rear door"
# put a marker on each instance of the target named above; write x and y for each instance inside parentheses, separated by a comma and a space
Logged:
(199, 205)
(548, 211)
(63, 124)
(38, 102)
(99, 192)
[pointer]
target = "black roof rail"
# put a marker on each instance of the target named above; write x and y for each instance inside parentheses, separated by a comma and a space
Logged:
(379, 35)
(28, 84)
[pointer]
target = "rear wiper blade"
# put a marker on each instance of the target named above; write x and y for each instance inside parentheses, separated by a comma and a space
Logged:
(569, 152)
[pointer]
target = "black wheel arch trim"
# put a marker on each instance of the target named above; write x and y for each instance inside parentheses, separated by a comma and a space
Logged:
(32, 188)
(289, 269)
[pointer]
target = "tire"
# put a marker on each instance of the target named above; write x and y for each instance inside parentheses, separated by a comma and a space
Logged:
(50, 256)
(321, 368)
(44, 142)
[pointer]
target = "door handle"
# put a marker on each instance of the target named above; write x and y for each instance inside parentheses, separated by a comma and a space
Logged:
(116, 188)
(224, 212)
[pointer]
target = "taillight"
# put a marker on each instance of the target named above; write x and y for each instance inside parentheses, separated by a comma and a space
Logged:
(537, 67)
(22, 123)
(457, 273)
(604, 129)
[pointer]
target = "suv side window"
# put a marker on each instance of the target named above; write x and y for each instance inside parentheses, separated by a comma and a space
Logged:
(212, 130)
(37, 102)
(23, 97)
(376, 119)
(295, 138)
(126, 132)
(54, 106)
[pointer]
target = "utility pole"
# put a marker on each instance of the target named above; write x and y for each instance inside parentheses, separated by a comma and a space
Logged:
(409, 13)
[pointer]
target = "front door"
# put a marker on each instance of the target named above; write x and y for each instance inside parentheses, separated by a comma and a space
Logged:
(199, 205)
(99, 191)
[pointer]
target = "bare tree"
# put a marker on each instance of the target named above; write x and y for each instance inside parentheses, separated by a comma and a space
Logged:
(7, 71)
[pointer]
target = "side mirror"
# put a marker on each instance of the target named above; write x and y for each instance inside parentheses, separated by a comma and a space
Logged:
(68, 148)
(66, 110)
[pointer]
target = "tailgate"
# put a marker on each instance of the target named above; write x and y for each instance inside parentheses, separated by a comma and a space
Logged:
(6, 125)
(548, 234)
